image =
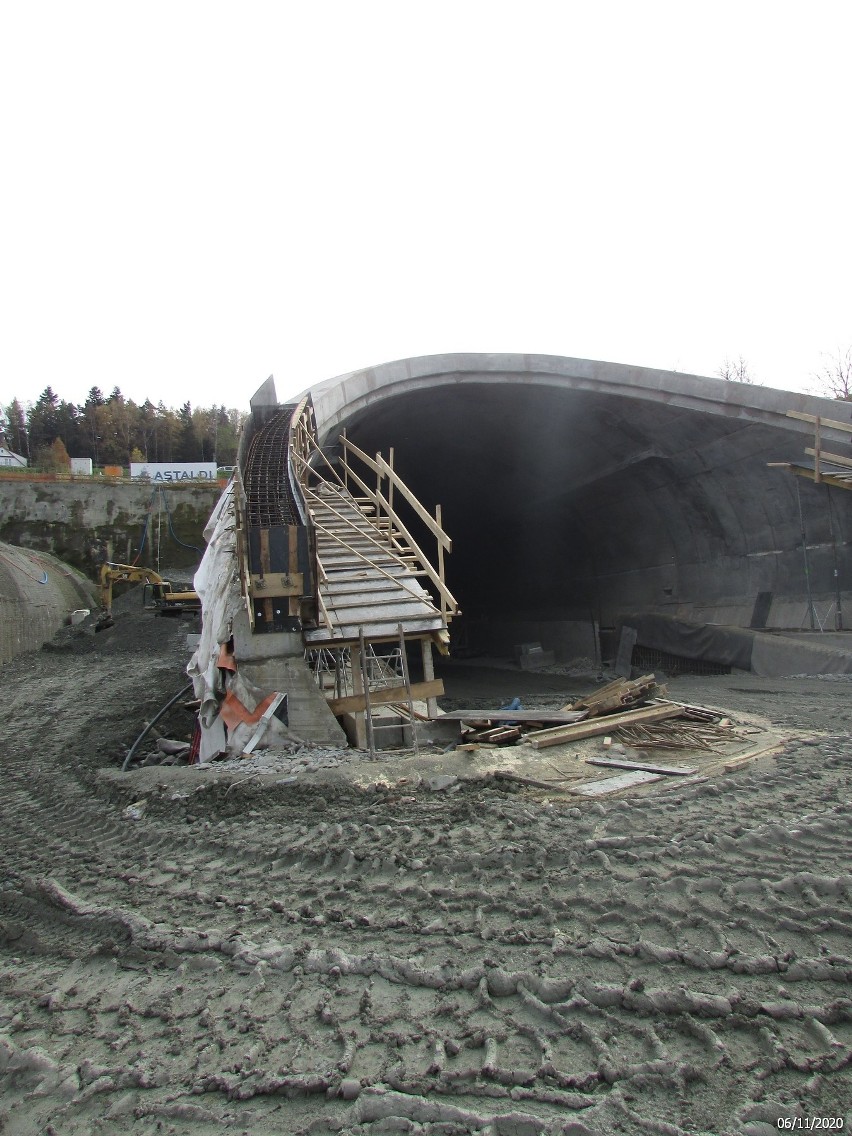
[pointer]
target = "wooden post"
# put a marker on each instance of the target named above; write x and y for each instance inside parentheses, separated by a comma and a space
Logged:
(378, 497)
(429, 674)
(390, 491)
(445, 607)
(368, 711)
(817, 474)
(403, 658)
(358, 688)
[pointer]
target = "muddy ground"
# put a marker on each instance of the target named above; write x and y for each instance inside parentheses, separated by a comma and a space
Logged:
(318, 957)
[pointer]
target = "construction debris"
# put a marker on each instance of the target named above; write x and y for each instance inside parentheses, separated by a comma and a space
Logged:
(478, 718)
(683, 734)
(645, 766)
(500, 735)
(614, 784)
(630, 718)
(619, 694)
(517, 779)
(559, 735)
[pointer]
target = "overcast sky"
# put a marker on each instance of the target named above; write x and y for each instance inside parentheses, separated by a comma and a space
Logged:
(199, 195)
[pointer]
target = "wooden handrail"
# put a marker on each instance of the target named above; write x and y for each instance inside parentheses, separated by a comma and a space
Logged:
(447, 598)
(828, 423)
(386, 520)
(427, 519)
(449, 604)
(384, 469)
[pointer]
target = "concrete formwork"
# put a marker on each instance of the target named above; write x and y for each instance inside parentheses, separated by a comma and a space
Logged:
(577, 489)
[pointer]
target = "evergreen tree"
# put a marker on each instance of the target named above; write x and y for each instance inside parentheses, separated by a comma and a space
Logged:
(17, 438)
(44, 420)
(109, 429)
(92, 415)
(186, 444)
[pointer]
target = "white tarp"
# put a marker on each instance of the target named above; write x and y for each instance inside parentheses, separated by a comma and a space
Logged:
(217, 583)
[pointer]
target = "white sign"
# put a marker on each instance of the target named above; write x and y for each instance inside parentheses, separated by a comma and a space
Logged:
(172, 472)
(82, 466)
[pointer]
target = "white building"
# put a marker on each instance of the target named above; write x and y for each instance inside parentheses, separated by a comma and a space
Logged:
(7, 458)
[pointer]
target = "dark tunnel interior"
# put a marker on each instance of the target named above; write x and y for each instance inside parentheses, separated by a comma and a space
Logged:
(572, 505)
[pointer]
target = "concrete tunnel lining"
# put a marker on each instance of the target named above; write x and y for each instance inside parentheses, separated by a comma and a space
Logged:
(576, 490)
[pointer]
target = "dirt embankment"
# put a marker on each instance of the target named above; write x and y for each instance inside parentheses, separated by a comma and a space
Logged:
(289, 959)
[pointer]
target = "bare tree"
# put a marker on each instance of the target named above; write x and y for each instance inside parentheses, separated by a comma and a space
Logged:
(735, 371)
(835, 375)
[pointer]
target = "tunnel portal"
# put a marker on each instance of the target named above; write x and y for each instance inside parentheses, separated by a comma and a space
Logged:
(583, 491)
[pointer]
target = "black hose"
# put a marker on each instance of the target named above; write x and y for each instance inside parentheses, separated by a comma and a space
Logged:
(184, 690)
(174, 535)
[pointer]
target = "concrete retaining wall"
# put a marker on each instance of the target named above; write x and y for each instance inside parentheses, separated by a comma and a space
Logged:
(81, 521)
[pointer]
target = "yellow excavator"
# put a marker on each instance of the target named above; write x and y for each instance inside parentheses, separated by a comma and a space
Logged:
(162, 597)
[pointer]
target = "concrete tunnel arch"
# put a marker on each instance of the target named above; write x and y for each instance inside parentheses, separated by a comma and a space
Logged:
(579, 490)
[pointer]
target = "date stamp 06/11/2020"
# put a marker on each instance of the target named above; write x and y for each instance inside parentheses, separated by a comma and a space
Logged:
(810, 1123)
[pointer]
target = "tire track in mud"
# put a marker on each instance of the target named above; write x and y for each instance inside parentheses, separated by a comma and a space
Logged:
(673, 963)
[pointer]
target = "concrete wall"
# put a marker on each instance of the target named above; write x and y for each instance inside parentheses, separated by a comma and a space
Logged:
(80, 520)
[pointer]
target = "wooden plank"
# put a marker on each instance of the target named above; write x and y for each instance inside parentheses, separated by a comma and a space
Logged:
(496, 735)
(560, 735)
(369, 585)
(621, 692)
(429, 521)
(501, 775)
(831, 423)
(365, 688)
(840, 480)
(349, 600)
(275, 584)
(428, 674)
(378, 615)
(563, 717)
(647, 766)
(387, 695)
(614, 784)
(444, 592)
(376, 632)
(832, 459)
(350, 447)
(370, 572)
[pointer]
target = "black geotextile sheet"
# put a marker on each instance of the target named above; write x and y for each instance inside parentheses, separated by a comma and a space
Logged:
(714, 644)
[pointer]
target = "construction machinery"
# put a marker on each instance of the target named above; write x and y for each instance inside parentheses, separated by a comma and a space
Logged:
(157, 594)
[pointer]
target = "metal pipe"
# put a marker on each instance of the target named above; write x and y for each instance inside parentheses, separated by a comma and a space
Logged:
(183, 690)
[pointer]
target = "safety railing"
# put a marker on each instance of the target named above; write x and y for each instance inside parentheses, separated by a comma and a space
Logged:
(378, 491)
(389, 487)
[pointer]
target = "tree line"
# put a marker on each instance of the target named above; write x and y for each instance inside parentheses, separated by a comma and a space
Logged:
(114, 430)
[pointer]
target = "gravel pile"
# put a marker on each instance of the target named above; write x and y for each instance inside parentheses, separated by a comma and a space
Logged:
(301, 759)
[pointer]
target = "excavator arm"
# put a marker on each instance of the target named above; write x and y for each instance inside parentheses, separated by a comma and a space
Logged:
(164, 598)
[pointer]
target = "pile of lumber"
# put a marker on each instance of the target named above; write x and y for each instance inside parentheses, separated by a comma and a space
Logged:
(620, 703)
(683, 734)
(619, 695)
(605, 724)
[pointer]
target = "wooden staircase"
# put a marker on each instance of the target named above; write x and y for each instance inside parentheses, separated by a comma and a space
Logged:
(369, 577)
